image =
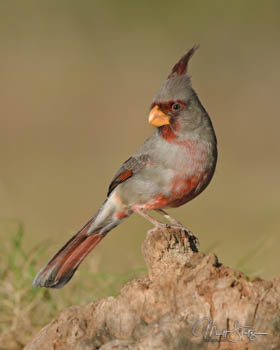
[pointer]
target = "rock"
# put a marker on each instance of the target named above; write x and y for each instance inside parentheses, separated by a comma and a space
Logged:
(184, 293)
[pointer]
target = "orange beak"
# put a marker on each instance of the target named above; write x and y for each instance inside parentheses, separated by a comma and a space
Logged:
(158, 118)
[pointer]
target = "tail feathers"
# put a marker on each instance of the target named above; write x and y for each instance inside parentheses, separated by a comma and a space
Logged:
(63, 265)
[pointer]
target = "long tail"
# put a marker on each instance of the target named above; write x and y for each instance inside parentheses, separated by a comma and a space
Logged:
(61, 268)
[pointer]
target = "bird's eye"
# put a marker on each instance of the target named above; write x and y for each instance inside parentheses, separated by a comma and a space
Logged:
(176, 107)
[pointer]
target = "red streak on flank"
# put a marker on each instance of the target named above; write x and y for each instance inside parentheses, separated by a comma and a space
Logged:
(183, 189)
(121, 215)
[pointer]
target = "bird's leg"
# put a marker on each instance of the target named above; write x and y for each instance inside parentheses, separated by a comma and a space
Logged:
(193, 241)
(169, 218)
(176, 224)
(145, 215)
(155, 222)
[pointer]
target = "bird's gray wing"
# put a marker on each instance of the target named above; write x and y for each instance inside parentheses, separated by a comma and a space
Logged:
(129, 168)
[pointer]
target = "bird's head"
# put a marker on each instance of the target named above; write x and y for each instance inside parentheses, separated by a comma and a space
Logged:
(176, 109)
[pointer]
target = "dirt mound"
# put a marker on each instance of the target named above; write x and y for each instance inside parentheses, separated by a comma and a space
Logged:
(187, 301)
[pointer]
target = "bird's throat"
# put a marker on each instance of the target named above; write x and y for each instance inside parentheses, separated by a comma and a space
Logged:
(168, 133)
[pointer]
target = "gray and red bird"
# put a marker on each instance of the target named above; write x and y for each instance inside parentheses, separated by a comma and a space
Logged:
(172, 167)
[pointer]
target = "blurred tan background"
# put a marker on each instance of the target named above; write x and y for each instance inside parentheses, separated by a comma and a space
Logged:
(77, 79)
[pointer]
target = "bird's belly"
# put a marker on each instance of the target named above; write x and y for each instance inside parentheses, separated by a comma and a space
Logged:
(181, 190)
(170, 182)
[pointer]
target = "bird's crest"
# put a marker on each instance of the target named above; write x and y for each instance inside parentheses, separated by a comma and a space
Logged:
(182, 65)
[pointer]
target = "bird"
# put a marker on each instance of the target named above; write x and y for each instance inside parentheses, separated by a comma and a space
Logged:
(173, 166)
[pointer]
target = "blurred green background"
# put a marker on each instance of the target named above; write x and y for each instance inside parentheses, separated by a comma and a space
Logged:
(77, 80)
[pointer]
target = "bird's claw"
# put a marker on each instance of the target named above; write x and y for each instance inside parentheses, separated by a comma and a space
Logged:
(193, 240)
(179, 235)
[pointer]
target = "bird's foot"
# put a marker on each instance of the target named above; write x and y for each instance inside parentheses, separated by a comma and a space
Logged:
(191, 237)
(180, 235)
